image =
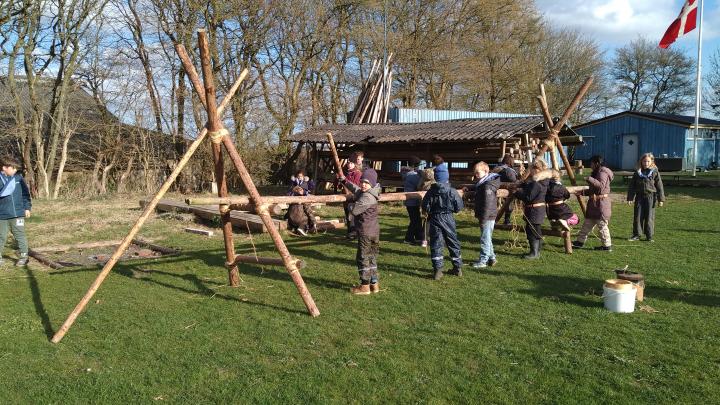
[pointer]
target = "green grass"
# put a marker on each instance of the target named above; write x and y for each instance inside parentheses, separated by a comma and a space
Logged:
(171, 329)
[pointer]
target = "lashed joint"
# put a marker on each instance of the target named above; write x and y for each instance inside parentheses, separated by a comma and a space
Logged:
(217, 136)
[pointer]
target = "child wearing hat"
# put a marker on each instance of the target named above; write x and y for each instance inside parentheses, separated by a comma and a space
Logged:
(365, 214)
(440, 203)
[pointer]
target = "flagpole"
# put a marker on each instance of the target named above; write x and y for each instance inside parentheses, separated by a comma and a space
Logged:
(697, 91)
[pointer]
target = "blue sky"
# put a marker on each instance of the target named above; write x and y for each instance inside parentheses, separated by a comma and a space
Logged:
(614, 23)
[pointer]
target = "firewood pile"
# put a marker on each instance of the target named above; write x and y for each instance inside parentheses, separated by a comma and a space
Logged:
(374, 100)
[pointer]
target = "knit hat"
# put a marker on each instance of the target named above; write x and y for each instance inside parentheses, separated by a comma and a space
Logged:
(369, 176)
(442, 175)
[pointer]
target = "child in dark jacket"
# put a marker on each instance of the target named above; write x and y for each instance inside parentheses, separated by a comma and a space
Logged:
(646, 189)
(365, 214)
(411, 181)
(558, 211)
(532, 193)
(300, 217)
(507, 175)
(440, 203)
(15, 205)
(485, 188)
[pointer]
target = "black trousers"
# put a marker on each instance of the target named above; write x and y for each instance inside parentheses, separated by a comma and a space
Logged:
(349, 220)
(533, 231)
(644, 215)
(415, 231)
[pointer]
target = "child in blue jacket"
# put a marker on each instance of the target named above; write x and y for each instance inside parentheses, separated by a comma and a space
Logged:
(440, 203)
(15, 206)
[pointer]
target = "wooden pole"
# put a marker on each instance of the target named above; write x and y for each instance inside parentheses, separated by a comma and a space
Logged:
(149, 208)
(217, 134)
(338, 166)
(300, 264)
(243, 201)
(262, 211)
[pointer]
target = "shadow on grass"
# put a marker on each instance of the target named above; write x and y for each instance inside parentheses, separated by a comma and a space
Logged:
(699, 230)
(39, 306)
(568, 289)
(200, 287)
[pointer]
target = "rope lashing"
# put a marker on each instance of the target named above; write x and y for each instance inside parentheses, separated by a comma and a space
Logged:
(217, 136)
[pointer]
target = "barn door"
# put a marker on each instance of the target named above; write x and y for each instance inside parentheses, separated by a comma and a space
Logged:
(630, 151)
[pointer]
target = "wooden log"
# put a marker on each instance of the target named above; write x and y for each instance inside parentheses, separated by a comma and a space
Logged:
(335, 156)
(567, 238)
(44, 259)
(77, 246)
(162, 249)
(217, 133)
(573, 105)
(199, 231)
(143, 217)
(300, 264)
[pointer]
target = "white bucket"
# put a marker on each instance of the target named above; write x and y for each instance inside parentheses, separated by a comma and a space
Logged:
(619, 295)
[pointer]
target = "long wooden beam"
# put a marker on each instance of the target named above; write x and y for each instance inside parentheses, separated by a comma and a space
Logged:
(149, 209)
(271, 261)
(245, 201)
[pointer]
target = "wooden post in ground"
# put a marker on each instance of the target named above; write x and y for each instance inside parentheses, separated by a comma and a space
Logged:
(149, 208)
(261, 209)
(217, 133)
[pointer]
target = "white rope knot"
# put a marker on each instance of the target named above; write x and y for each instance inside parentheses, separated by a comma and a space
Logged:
(217, 136)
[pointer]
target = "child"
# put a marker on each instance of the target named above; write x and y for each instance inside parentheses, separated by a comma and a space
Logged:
(353, 172)
(440, 202)
(427, 179)
(15, 206)
(300, 217)
(532, 192)
(411, 181)
(507, 175)
(598, 210)
(646, 188)
(486, 211)
(558, 211)
(365, 213)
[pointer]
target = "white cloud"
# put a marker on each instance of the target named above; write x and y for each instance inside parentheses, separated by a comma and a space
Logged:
(616, 22)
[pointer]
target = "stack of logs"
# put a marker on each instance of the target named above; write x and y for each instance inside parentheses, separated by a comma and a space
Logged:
(374, 100)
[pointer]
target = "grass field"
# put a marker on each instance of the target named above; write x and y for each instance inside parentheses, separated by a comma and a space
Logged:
(170, 329)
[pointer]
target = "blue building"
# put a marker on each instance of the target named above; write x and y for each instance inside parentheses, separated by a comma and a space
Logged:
(621, 139)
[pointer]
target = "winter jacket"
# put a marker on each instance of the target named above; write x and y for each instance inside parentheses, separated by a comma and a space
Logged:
(365, 209)
(353, 176)
(532, 192)
(411, 181)
(556, 192)
(300, 216)
(15, 204)
(646, 183)
(302, 183)
(442, 199)
(507, 174)
(486, 197)
(599, 206)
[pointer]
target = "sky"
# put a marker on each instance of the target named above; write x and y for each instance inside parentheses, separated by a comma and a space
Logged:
(614, 23)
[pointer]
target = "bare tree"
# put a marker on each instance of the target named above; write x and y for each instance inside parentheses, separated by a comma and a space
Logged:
(652, 79)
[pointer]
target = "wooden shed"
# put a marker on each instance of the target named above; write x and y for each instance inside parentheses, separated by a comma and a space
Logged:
(461, 143)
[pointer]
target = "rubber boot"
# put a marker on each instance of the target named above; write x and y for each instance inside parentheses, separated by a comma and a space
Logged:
(534, 250)
(456, 271)
(375, 287)
(438, 274)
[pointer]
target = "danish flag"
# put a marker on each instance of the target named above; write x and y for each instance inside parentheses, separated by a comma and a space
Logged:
(682, 25)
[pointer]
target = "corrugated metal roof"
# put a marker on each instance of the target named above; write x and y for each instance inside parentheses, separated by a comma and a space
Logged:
(490, 129)
(685, 120)
(415, 115)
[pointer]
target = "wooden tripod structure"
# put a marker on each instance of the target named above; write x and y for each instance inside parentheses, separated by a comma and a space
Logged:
(552, 143)
(220, 137)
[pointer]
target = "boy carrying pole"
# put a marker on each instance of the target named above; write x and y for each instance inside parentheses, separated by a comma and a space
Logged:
(365, 211)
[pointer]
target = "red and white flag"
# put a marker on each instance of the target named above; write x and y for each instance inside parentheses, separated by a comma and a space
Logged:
(682, 25)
